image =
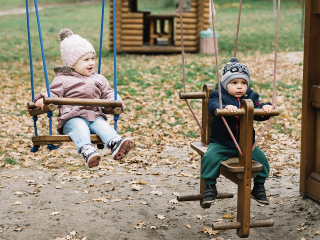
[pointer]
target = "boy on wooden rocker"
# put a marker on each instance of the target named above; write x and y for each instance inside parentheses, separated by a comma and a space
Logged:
(235, 87)
(78, 79)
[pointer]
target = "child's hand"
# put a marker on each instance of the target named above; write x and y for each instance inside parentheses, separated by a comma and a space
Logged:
(40, 103)
(267, 108)
(231, 108)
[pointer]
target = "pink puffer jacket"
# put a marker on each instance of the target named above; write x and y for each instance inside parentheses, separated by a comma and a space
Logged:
(71, 84)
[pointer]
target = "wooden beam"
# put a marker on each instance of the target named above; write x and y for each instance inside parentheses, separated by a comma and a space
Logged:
(188, 43)
(38, 111)
(57, 139)
(131, 37)
(131, 43)
(132, 26)
(316, 7)
(187, 20)
(187, 37)
(186, 32)
(192, 95)
(311, 73)
(159, 49)
(82, 102)
(206, 116)
(315, 94)
(244, 186)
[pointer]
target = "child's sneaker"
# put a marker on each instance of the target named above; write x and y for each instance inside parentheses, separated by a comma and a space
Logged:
(258, 193)
(210, 194)
(91, 156)
(120, 147)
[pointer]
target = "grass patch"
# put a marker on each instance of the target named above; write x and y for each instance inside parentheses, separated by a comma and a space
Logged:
(11, 161)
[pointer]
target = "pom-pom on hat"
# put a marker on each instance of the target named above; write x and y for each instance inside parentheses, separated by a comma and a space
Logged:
(234, 69)
(73, 46)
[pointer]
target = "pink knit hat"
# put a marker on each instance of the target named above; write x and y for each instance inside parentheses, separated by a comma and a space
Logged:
(73, 47)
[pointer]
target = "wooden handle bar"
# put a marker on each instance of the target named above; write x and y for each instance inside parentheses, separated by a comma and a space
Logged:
(38, 111)
(237, 225)
(114, 111)
(192, 95)
(82, 102)
(31, 105)
(240, 112)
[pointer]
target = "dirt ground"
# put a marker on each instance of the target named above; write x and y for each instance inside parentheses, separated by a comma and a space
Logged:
(112, 202)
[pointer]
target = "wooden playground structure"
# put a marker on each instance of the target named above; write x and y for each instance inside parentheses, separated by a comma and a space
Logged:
(310, 133)
(239, 170)
(142, 31)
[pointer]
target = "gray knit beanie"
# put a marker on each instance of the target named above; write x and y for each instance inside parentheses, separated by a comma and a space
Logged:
(73, 46)
(234, 69)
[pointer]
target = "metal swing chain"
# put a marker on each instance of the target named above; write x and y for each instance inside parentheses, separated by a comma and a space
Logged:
(274, 77)
(218, 77)
(183, 69)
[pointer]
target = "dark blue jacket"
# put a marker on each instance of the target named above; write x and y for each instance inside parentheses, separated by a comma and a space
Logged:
(219, 132)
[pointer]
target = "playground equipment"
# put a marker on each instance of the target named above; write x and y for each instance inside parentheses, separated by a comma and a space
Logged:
(137, 31)
(110, 107)
(310, 134)
(239, 170)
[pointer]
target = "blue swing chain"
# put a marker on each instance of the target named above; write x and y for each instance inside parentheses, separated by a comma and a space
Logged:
(49, 114)
(35, 118)
(116, 117)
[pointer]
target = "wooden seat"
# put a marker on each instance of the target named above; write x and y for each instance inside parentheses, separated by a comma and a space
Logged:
(239, 170)
(58, 139)
(108, 107)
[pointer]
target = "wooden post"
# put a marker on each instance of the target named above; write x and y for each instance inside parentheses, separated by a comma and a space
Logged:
(244, 185)
(310, 138)
(206, 116)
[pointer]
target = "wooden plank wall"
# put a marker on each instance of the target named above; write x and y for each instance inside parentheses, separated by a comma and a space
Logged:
(130, 25)
(310, 132)
(118, 25)
(193, 22)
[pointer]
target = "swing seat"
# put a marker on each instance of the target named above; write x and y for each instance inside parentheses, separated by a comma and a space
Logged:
(109, 107)
(239, 170)
(58, 139)
(230, 168)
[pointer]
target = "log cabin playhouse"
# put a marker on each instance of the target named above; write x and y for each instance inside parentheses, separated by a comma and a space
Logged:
(142, 31)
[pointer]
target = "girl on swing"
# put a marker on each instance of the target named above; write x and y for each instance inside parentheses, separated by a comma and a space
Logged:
(78, 79)
(235, 87)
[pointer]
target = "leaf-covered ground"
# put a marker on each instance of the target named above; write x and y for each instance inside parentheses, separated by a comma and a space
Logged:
(53, 195)
(154, 116)
(135, 198)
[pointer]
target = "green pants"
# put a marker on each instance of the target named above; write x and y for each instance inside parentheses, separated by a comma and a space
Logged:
(217, 153)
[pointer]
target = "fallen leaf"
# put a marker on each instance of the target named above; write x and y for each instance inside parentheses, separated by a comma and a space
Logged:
(19, 229)
(228, 216)
(18, 193)
(16, 203)
(208, 231)
(139, 225)
(157, 193)
(35, 191)
(188, 226)
(135, 187)
(54, 213)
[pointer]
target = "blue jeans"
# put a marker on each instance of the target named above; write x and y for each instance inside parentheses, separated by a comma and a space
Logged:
(79, 130)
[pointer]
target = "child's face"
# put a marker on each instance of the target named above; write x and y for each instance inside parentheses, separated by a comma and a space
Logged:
(237, 87)
(85, 64)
